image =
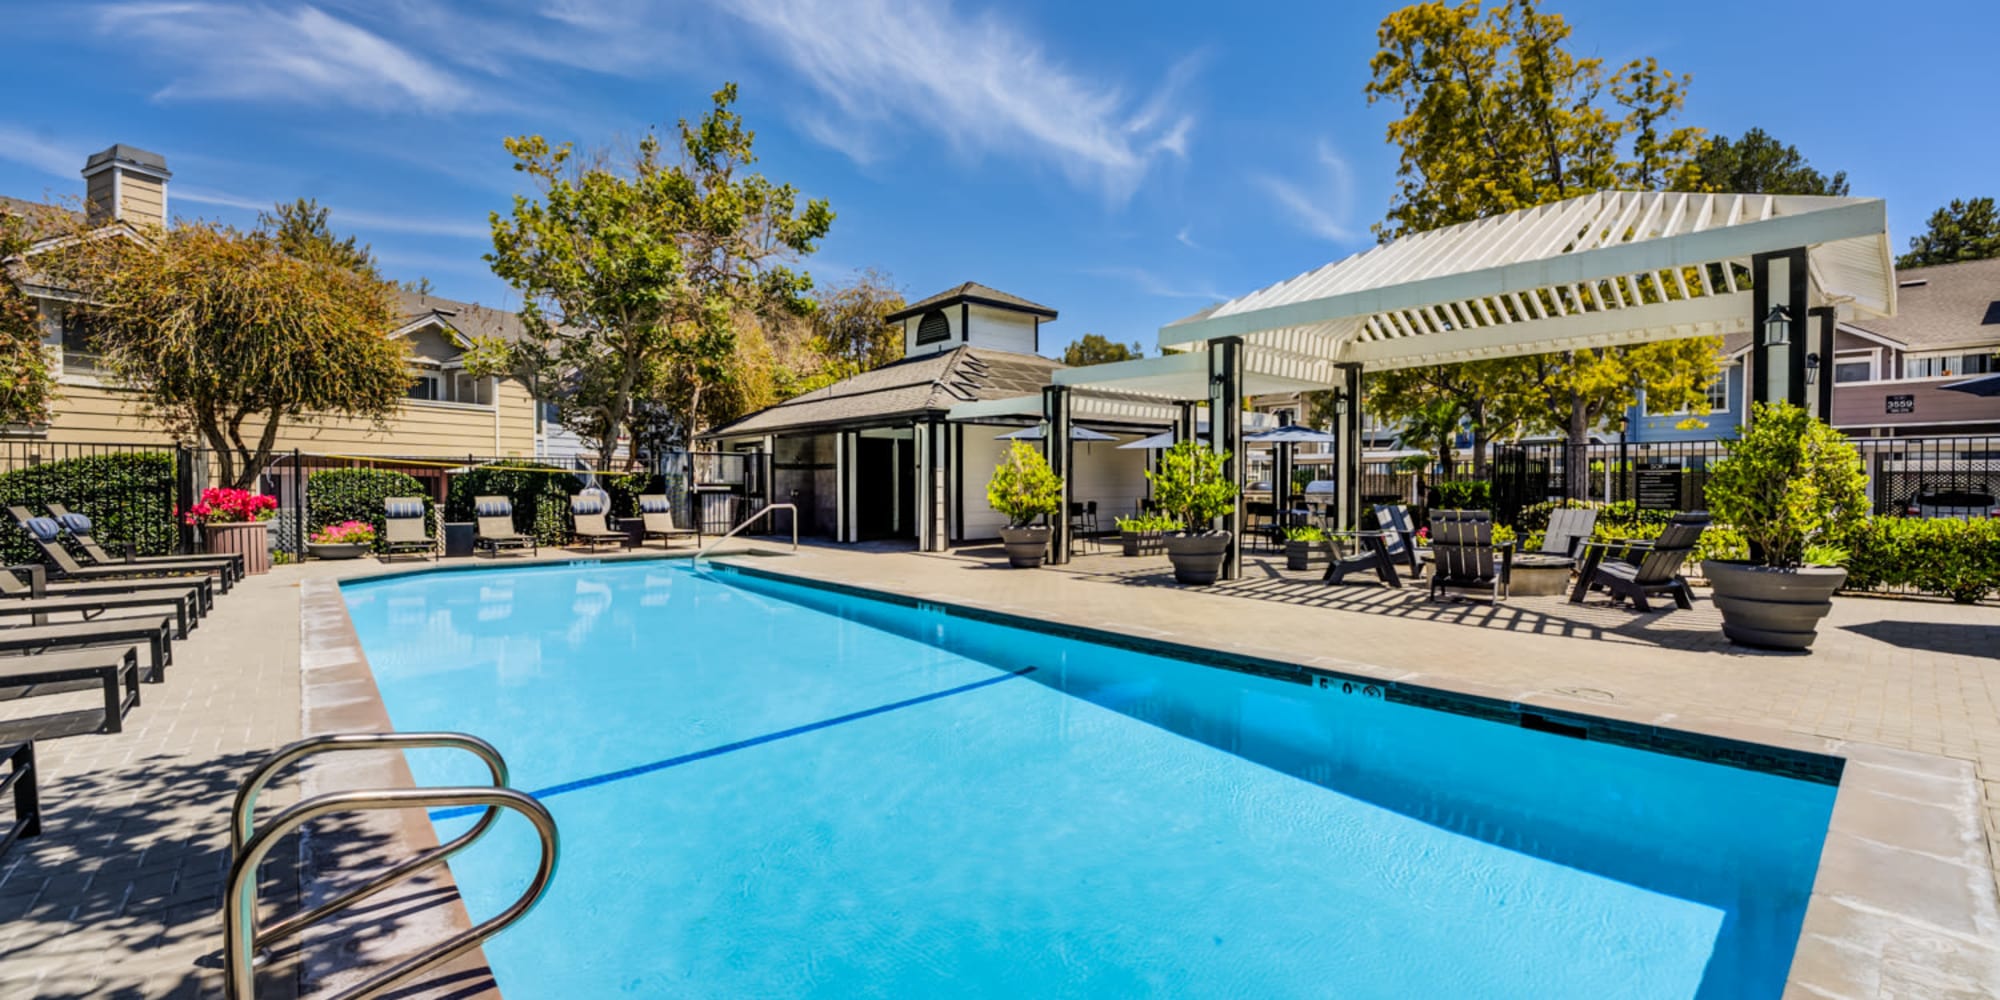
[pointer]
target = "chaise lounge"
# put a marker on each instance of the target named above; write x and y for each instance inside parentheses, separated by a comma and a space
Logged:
(79, 528)
(589, 511)
(18, 599)
(657, 513)
(114, 668)
(403, 528)
(494, 527)
(45, 533)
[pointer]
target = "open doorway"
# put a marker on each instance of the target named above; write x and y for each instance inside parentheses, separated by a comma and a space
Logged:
(885, 477)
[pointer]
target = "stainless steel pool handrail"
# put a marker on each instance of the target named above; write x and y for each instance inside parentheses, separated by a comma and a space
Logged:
(748, 521)
(242, 826)
(240, 905)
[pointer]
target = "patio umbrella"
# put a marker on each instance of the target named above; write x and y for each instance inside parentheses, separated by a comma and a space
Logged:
(1164, 439)
(1983, 385)
(1037, 432)
(1291, 434)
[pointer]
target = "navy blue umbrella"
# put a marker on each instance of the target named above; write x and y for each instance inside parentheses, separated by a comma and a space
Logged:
(1984, 385)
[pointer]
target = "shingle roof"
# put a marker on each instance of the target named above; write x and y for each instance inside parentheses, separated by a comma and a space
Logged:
(932, 383)
(977, 294)
(1958, 305)
(468, 318)
(37, 210)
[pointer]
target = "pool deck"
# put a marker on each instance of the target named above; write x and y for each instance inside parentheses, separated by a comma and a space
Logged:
(122, 893)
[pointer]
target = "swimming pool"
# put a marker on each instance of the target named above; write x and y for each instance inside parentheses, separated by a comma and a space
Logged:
(768, 789)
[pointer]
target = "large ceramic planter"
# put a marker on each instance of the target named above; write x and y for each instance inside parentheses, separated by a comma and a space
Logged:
(249, 539)
(338, 550)
(1198, 559)
(1305, 555)
(1772, 608)
(1140, 543)
(1026, 547)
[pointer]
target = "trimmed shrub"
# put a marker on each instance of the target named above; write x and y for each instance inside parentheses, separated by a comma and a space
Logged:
(540, 497)
(625, 491)
(1952, 558)
(1463, 494)
(128, 497)
(337, 495)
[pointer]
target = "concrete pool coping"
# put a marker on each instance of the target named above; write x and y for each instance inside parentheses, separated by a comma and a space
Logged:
(1903, 902)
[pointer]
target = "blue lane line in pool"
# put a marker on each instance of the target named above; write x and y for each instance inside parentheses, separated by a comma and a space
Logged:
(717, 751)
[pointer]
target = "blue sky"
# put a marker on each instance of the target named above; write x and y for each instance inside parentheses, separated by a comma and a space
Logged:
(1125, 163)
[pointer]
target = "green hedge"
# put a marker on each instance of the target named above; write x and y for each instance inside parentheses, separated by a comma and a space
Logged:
(128, 497)
(1464, 494)
(541, 498)
(1948, 557)
(337, 495)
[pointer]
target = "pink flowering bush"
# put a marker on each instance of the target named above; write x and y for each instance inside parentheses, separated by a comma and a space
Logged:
(226, 506)
(345, 533)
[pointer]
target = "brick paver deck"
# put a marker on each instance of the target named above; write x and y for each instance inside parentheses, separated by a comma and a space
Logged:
(121, 896)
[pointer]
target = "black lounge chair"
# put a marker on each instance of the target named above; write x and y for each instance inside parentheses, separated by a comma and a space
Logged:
(156, 633)
(46, 534)
(201, 589)
(656, 512)
(1569, 528)
(79, 528)
(109, 667)
(18, 599)
(22, 780)
(494, 527)
(1465, 561)
(590, 511)
(403, 528)
(1635, 569)
(1393, 543)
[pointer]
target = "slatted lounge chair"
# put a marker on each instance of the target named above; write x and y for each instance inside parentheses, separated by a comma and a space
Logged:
(1637, 569)
(403, 528)
(1384, 550)
(45, 533)
(589, 511)
(494, 527)
(1569, 528)
(155, 632)
(1465, 559)
(185, 605)
(200, 589)
(657, 511)
(110, 667)
(79, 528)
(22, 780)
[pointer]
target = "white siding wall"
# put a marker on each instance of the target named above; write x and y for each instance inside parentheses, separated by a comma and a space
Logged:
(1115, 479)
(1000, 330)
(982, 455)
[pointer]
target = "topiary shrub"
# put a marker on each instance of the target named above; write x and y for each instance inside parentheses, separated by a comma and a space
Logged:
(128, 497)
(1190, 487)
(334, 496)
(1023, 487)
(1790, 482)
(540, 497)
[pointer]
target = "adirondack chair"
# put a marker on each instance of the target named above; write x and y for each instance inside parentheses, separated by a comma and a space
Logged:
(1394, 543)
(1466, 561)
(1637, 569)
(1568, 529)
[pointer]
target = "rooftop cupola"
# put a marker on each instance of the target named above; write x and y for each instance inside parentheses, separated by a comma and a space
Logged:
(972, 315)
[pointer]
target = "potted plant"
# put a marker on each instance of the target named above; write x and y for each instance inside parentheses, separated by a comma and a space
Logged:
(1305, 547)
(346, 540)
(1789, 485)
(1024, 488)
(232, 522)
(1190, 488)
(1143, 535)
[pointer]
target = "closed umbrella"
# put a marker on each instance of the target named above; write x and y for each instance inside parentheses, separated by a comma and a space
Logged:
(1038, 432)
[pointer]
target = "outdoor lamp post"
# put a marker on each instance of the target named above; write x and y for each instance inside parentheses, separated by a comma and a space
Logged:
(1778, 327)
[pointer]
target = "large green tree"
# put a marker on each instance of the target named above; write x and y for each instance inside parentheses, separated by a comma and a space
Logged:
(1097, 349)
(227, 336)
(1757, 163)
(633, 280)
(850, 323)
(1498, 115)
(27, 386)
(1967, 229)
(300, 228)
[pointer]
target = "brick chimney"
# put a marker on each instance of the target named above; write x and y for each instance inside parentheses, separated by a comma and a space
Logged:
(126, 184)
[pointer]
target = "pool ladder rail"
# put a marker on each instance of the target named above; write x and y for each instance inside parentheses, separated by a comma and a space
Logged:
(748, 521)
(250, 843)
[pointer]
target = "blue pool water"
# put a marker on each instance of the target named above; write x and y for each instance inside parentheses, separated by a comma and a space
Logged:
(768, 790)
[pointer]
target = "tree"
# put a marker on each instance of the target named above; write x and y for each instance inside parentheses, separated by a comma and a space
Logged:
(1497, 116)
(1096, 349)
(850, 321)
(632, 281)
(1433, 428)
(228, 336)
(27, 387)
(1757, 164)
(1963, 230)
(300, 229)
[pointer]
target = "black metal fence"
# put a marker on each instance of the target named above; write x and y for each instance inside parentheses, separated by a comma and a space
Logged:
(132, 493)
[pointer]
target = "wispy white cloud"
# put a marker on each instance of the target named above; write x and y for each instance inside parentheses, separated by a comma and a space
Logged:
(297, 53)
(363, 221)
(32, 149)
(1321, 205)
(1186, 238)
(983, 84)
(1152, 284)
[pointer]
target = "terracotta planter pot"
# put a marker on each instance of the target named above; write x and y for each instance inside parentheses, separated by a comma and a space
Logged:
(1772, 608)
(1197, 559)
(338, 550)
(249, 539)
(1026, 547)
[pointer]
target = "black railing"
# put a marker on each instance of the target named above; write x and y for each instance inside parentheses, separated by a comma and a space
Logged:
(131, 492)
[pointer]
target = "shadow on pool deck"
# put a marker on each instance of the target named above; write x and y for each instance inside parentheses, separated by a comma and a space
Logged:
(1933, 637)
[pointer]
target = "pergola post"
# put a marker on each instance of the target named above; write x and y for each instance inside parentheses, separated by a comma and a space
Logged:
(1281, 470)
(1779, 282)
(1225, 435)
(1822, 373)
(1347, 426)
(1057, 448)
(1184, 425)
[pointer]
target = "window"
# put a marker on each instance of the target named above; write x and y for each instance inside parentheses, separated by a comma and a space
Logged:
(79, 345)
(424, 387)
(1950, 364)
(934, 327)
(1853, 371)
